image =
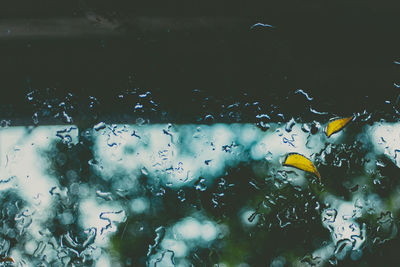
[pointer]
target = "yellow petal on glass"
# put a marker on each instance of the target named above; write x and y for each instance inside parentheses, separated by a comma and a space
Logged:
(337, 125)
(300, 162)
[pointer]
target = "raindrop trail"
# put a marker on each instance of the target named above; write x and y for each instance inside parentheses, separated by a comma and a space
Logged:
(259, 24)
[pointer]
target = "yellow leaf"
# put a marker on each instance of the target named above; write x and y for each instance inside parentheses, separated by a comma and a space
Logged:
(300, 162)
(337, 125)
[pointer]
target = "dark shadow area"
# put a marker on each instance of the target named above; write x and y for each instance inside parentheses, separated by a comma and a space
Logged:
(341, 53)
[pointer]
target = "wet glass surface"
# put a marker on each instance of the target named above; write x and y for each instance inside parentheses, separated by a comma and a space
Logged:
(133, 135)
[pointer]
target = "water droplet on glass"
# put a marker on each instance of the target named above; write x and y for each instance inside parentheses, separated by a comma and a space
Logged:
(100, 126)
(343, 248)
(289, 125)
(329, 215)
(5, 123)
(181, 195)
(35, 118)
(200, 184)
